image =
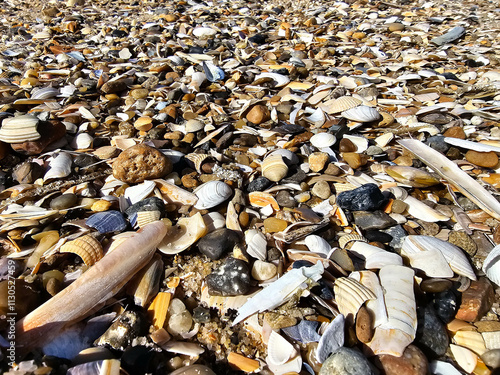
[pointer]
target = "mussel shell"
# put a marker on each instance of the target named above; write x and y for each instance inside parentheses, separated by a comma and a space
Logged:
(213, 73)
(107, 222)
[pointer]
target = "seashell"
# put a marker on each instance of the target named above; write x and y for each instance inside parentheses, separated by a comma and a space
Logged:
(360, 142)
(376, 306)
(197, 160)
(361, 113)
(279, 350)
(261, 199)
(197, 79)
(289, 157)
(186, 232)
(465, 358)
(491, 265)
(44, 93)
(82, 141)
(232, 221)
(211, 194)
(176, 60)
(340, 187)
(107, 222)
(262, 271)
(454, 175)
(158, 309)
(304, 332)
(213, 72)
(137, 193)
(350, 295)
(323, 140)
(256, 244)
(345, 239)
(146, 283)
(317, 244)
(19, 129)
(332, 338)
(59, 167)
(317, 117)
(280, 80)
(242, 363)
(471, 340)
(192, 126)
(106, 366)
(421, 211)
(384, 139)
(491, 340)
(213, 221)
(174, 194)
(453, 255)
(204, 32)
(190, 349)
(374, 256)
(411, 176)
(86, 247)
(292, 367)
(341, 104)
(274, 168)
(142, 218)
(476, 146)
(399, 331)
(443, 368)
(398, 192)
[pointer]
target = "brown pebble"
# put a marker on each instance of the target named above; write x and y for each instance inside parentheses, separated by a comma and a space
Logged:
(53, 286)
(364, 325)
(395, 26)
(476, 300)
(317, 161)
(487, 326)
(27, 173)
(139, 93)
(189, 181)
(4, 150)
(435, 285)
(464, 241)
(333, 170)
(244, 218)
(170, 17)
(398, 206)
(188, 97)
(258, 114)
(273, 225)
(482, 159)
(139, 163)
(404, 161)
(346, 145)
(455, 132)
(354, 160)
(111, 87)
(412, 362)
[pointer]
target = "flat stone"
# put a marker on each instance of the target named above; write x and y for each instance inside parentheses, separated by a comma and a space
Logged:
(476, 300)
(365, 198)
(218, 243)
(285, 199)
(464, 241)
(317, 161)
(377, 236)
(373, 220)
(455, 132)
(273, 225)
(452, 35)
(346, 361)
(354, 159)
(482, 159)
(398, 234)
(63, 201)
(321, 189)
(395, 26)
(412, 362)
(431, 336)
(139, 163)
(364, 325)
(231, 279)
(435, 285)
(111, 87)
(437, 143)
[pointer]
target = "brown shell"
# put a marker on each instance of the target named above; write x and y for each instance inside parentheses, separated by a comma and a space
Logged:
(86, 247)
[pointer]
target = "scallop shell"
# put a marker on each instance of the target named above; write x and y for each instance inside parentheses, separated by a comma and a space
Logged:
(213, 72)
(323, 140)
(19, 129)
(256, 244)
(59, 167)
(350, 296)
(274, 168)
(317, 244)
(211, 194)
(452, 254)
(491, 265)
(342, 104)
(186, 232)
(361, 113)
(86, 247)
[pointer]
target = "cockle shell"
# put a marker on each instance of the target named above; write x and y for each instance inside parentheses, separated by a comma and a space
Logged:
(345, 239)
(279, 350)
(86, 247)
(82, 141)
(211, 194)
(59, 167)
(376, 306)
(213, 72)
(453, 255)
(274, 168)
(491, 265)
(317, 244)
(350, 296)
(186, 232)
(361, 113)
(322, 140)
(19, 129)
(341, 104)
(256, 244)
(143, 218)
(197, 160)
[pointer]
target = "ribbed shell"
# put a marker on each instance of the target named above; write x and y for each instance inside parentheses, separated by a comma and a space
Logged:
(274, 168)
(361, 113)
(350, 295)
(197, 160)
(344, 240)
(342, 104)
(86, 247)
(19, 129)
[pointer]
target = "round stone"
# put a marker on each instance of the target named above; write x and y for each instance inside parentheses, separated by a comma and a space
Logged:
(333, 170)
(482, 159)
(435, 285)
(263, 270)
(259, 184)
(139, 163)
(364, 325)
(374, 150)
(63, 202)
(346, 145)
(217, 243)
(273, 225)
(395, 26)
(491, 358)
(446, 305)
(398, 206)
(321, 189)
(285, 199)
(346, 361)
(258, 114)
(354, 159)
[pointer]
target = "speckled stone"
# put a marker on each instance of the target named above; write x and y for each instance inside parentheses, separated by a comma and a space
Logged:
(364, 325)
(346, 361)
(231, 279)
(446, 304)
(321, 189)
(259, 184)
(285, 199)
(217, 243)
(374, 150)
(412, 362)
(258, 114)
(476, 300)
(428, 228)
(464, 241)
(491, 358)
(431, 336)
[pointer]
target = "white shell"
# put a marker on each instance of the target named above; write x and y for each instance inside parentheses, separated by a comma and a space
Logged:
(204, 32)
(197, 79)
(465, 358)
(350, 295)
(491, 339)
(376, 306)
(360, 142)
(453, 255)
(212, 193)
(316, 244)
(322, 140)
(288, 156)
(186, 232)
(274, 168)
(361, 113)
(491, 265)
(476, 146)
(331, 339)
(341, 104)
(213, 221)
(59, 167)
(422, 211)
(44, 93)
(280, 79)
(256, 244)
(19, 129)
(279, 350)
(374, 256)
(138, 192)
(232, 221)
(82, 141)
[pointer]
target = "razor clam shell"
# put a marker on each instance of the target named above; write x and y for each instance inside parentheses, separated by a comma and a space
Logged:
(59, 167)
(316, 244)
(476, 146)
(422, 211)
(146, 283)
(374, 256)
(350, 296)
(361, 113)
(86, 247)
(256, 244)
(454, 175)
(452, 254)
(186, 232)
(19, 129)
(491, 265)
(44, 93)
(411, 176)
(211, 194)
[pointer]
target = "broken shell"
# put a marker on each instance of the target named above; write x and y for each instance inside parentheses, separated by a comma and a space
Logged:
(374, 256)
(19, 129)
(341, 104)
(213, 221)
(465, 358)
(491, 265)
(317, 244)
(211, 194)
(361, 113)
(279, 350)
(213, 72)
(260, 199)
(256, 244)
(274, 168)
(143, 218)
(323, 140)
(350, 296)
(86, 247)
(82, 141)
(107, 222)
(421, 211)
(471, 340)
(279, 79)
(411, 176)
(204, 32)
(186, 232)
(243, 363)
(345, 239)
(146, 283)
(262, 271)
(197, 160)
(59, 167)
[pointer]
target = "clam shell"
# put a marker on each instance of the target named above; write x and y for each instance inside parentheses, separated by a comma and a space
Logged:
(186, 232)
(452, 254)
(491, 339)
(374, 256)
(213, 72)
(317, 244)
(204, 32)
(211, 194)
(19, 129)
(279, 350)
(491, 265)
(44, 93)
(279, 79)
(197, 160)
(289, 157)
(59, 167)
(137, 193)
(345, 239)
(323, 140)
(256, 244)
(350, 296)
(107, 222)
(86, 247)
(465, 358)
(274, 168)
(341, 104)
(471, 340)
(361, 113)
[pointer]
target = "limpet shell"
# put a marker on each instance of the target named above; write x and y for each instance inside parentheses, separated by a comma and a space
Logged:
(361, 113)
(212, 193)
(86, 247)
(274, 168)
(19, 129)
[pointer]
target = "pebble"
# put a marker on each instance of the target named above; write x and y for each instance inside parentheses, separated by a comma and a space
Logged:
(491, 358)
(285, 199)
(354, 159)
(482, 159)
(259, 184)
(398, 234)
(476, 300)
(455, 132)
(346, 361)
(148, 204)
(321, 189)
(367, 220)
(467, 204)
(139, 163)
(374, 150)
(412, 362)
(273, 225)
(317, 161)
(263, 270)
(464, 241)
(27, 173)
(346, 145)
(333, 170)
(63, 201)
(218, 243)
(437, 143)
(452, 35)
(231, 279)
(446, 304)
(435, 285)
(431, 332)
(398, 206)
(115, 86)
(51, 132)
(258, 114)
(365, 198)
(395, 26)
(377, 236)
(364, 325)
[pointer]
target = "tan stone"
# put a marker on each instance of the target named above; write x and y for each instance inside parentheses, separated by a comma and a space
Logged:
(317, 161)
(258, 114)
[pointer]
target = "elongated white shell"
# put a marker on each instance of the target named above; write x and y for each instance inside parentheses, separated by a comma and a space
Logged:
(212, 193)
(361, 113)
(422, 211)
(322, 140)
(256, 244)
(316, 244)
(476, 146)
(491, 265)
(374, 256)
(19, 129)
(376, 306)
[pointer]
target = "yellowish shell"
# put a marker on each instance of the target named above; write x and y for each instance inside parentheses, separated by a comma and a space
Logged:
(261, 199)
(86, 247)
(19, 129)
(341, 187)
(344, 240)
(197, 160)
(146, 217)
(343, 104)
(274, 168)
(350, 296)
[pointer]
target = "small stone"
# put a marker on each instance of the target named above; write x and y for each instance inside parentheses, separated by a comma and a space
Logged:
(101, 205)
(273, 225)
(491, 358)
(259, 184)
(258, 114)
(431, 336)
(346, 145)
(317, 161)
(452, 35)
(437, 143)
(346, 361)
(436, 118)
(139, 163)
(279, 321)
(201, 314)
(321, 189)
(412, 362)
(139, 93)
(63, 202)
(395, 26)
(244, 219)
(487, 326)
(435, 285)
(454, 153)
(111, 87)
(333, 170)
(374, 150)
(231, 279)
(285, 199)
(106, 152)
(428, 228)
(51, 132)
(476, 301)
(365, 198)
(189, 180)
(27, 173)
(218, 243)
(482, 159)
(364, 325)
(367, 220)
(263, 270)
(455, 132)
(148, 204)
(398, 206)
(398, 235)
(464, 241)
(170, 17)
(467, 204)
(446, 305)
(354, 159)
(377, 236)
(404, 161)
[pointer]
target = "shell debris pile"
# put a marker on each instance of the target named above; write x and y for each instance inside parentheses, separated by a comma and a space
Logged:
(281, 187)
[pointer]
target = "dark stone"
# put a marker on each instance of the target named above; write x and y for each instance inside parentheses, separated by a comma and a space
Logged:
(431, 337)
(365, 198)
(398, 235)
(27, 173)
(142, 360)
(148, 204)
(289, 129)
(218, 243)
(84, 160)
(285, 199)
(437, 143)
(435, 285)
(201, 314)
(467, 204)
(258, 38)
(377, 236)
(366, 220)
(259, 184)
(296, 177)
(452, 35)
(117, 33)
(346, 361)
(446, 305)
(111, 87)
(63, 201)
(224, 141)
(436, 118)
(231, 279)
(129, 325)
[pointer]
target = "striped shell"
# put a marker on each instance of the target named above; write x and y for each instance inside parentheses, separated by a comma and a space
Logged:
(86, 247)
(274, 168)
(350, 296)
(197, 160)
(361, 113)
(344, 240)
(19, 129)
(145, 217)
(342, 104)
(211, 194)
